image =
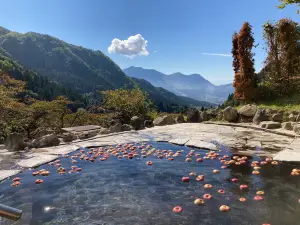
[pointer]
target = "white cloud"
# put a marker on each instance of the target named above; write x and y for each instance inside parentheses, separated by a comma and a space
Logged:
(217, 54)
(133, 46)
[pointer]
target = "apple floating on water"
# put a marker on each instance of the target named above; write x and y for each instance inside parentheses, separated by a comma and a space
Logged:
(224, 208)
(221, 191)
(208, 186)
(39, 181)
(216, 171)
(242, 199)
(260, 193)
(258, 198)
(16, 179)
(16, 183)
(234, 180)
(243, 187)
(207, 196)
(199, 201)
(188, 159)
(199, 160)
(177, 209)
(185, 179)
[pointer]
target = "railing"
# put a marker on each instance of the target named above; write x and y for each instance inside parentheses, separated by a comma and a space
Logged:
(10, 213)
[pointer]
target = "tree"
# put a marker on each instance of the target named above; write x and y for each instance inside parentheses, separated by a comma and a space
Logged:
(282, 65)
(243, 64)
(284, 3)
(127, 103)
(10, 107)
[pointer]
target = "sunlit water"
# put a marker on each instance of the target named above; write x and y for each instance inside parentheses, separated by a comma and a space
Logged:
(124, 191)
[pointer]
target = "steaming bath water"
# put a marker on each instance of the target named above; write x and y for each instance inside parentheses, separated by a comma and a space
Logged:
(128, 191)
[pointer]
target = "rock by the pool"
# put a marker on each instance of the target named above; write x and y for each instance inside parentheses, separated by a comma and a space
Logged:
(248, 110)
(127, 127)
(88, 134)
(15, 141)
(137, 123)
(180, 119)
(230, 114)
(270, 125)
(287, 126)
(105, 131)
(164, 120)
(292, 117)
(260, 116)
(203, 116)
(277, 117)
(148, 123)
(193, 115)
(68, 137)
(297, 128)
(46, 141)
(117, 127)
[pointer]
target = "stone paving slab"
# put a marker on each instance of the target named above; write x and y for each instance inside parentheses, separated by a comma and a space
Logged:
(36, 161)
(57, 150)
(179, 141)
(8, 173)
(201, 144)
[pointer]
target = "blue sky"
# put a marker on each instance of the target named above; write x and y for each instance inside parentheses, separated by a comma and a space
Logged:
(177, 32)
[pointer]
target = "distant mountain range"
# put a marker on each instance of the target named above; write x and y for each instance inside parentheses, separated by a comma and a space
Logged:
(192, 86)
(73, 69)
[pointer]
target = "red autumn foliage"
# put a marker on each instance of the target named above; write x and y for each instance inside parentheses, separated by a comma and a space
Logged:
(243, 63)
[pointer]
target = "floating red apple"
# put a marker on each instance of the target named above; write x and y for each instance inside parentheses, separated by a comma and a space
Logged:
(177, 209)
(258, 198)
(207, 196)
(39, 181)
(243, 187)
(221, 191)
(234, 180)
(242, 199)
(185, 179)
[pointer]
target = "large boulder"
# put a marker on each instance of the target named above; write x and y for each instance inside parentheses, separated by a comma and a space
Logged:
(248, 110)
(292, 117)
(148, 123)
(46, 141)
(270, 125)
(230, 114)
(277, 117)
(68, 137)
(287, 126)
(40, 132)
(14, 141)
(297, 128)
(137, 123)
(88, 134)
(117, 127)
(180, 119)
(193, 115)
(298, 118)
(203, 116)
(126, 127)
(260, 116)
(212, 113)
(164, 120)
(105, 131)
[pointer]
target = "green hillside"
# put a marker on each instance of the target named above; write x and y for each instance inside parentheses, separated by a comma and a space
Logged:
(75, 68)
